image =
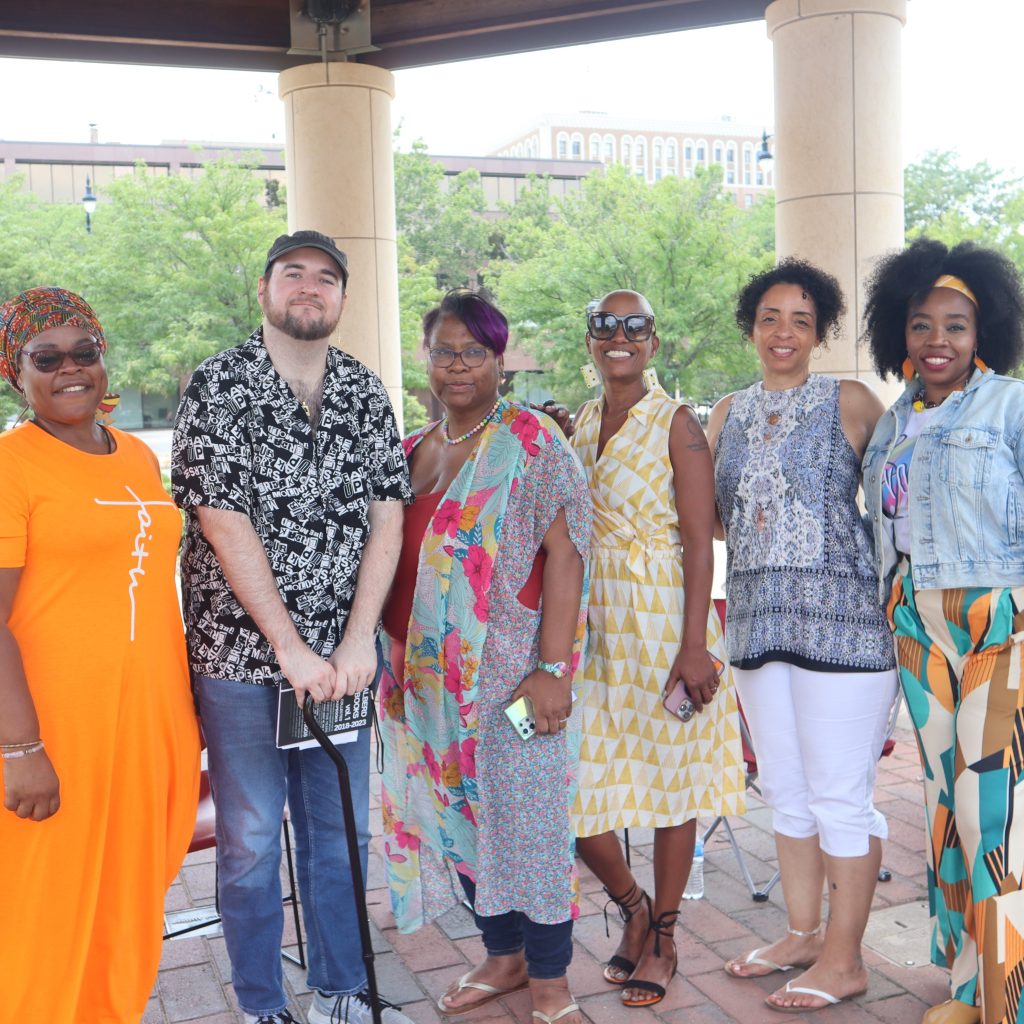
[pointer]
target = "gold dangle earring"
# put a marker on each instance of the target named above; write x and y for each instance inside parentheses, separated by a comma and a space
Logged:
(589, 374)
(650, 377)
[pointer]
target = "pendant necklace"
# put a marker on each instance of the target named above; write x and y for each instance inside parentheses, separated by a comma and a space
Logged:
(469, 433)
(775, 404)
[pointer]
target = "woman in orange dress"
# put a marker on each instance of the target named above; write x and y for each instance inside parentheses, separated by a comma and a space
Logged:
(98, 740)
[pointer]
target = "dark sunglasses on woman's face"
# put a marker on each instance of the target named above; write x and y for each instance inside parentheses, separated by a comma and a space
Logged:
(445, 357)
(50, 360)
(635, 326)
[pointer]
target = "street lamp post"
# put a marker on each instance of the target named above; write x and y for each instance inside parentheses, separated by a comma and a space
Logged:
(764, 153)
(89, 203)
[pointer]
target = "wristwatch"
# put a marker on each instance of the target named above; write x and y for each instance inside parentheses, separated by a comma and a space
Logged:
(559, 669)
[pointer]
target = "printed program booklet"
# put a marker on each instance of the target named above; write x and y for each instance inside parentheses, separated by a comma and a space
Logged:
(340, 719)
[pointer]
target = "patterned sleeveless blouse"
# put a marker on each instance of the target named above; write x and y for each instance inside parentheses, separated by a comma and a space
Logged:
(800, 577)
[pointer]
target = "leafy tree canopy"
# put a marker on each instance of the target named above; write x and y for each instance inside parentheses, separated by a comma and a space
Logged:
(171, 265)
(192, 250)
(443, 222)
(682, 242)
(952, 203)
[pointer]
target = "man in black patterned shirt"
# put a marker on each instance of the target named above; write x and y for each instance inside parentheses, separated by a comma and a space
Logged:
(288, 462)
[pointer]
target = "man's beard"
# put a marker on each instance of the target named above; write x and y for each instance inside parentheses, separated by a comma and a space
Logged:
(301, 330)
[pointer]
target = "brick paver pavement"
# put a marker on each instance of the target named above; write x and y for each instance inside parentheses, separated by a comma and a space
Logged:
(194, 981)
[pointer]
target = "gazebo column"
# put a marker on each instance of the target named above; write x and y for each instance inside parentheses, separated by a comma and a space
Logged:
(338, 154)
(838, 132)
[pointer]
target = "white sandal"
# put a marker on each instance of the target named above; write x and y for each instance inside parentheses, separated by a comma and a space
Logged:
(754, 958)
(545, 1019)
(490, 994)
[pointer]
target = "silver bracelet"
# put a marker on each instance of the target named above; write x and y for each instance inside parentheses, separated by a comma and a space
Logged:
(10, 755)
(19, 746)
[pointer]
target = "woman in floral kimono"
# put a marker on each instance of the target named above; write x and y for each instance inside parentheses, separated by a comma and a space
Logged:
(489, 605)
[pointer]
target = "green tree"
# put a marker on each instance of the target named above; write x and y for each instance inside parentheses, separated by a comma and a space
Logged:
(444, 223)
(444, 241)
(681, 241)
(44, 244)
(174, 266)
(417, 292)
(952, 203)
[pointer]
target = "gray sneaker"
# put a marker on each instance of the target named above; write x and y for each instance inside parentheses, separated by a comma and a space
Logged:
(352, 1009)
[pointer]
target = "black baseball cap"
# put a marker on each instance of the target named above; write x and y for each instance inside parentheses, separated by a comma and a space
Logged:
(308, 240)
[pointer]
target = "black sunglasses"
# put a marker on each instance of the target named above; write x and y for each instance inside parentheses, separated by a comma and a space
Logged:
(635, 326)
(50, 360)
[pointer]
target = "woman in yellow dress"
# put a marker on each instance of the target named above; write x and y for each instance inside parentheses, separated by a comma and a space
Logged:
(98, 740)
(652, 485)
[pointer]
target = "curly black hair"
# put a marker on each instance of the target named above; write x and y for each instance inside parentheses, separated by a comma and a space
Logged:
(903, 279)
(823, 289)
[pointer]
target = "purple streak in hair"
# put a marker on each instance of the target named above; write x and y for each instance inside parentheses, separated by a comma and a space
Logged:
(484, 321)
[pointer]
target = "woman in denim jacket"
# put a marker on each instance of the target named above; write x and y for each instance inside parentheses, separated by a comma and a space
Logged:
(944, 486)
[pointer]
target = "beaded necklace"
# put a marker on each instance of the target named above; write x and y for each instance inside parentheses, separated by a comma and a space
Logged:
(920, 404)
(469, 433)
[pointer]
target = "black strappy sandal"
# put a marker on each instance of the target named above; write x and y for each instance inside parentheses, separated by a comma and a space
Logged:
(664, 927)
(628, 905)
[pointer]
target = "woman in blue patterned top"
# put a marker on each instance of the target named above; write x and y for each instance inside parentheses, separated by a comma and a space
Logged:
(810, 651)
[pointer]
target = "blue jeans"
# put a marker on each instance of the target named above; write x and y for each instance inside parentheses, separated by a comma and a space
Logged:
(548, 947)
(250, 779)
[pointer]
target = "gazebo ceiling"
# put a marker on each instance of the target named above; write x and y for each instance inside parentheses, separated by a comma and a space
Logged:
(257, 34)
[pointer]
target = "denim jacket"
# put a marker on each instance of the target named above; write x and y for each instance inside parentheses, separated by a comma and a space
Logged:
(966, 488)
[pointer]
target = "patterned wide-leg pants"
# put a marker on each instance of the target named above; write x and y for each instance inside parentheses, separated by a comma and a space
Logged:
(961, 665)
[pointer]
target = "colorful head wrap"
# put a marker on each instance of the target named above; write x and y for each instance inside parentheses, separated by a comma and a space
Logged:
(35, 311)
(949, 281)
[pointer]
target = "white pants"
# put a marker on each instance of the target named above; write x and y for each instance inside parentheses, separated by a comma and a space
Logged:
(817, 737)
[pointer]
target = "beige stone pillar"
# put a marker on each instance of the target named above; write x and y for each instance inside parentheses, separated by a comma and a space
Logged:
(838, 133)
(338, 154)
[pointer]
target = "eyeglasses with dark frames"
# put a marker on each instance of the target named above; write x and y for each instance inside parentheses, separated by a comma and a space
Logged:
(471, 357)
(50, 360)
(636, 327)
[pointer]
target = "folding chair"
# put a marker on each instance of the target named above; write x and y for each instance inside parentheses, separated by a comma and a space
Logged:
(750, 782)
(204, 838)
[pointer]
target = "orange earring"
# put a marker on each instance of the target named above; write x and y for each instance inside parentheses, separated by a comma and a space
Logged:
(980, 363)
(908, 370)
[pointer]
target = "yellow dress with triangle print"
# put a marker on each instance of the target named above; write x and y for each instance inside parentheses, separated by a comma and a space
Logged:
(640, 767)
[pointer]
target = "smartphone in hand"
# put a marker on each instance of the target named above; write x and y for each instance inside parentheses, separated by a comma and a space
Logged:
(678, 703)
(520, 714)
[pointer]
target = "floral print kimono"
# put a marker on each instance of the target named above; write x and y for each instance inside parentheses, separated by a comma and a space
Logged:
(461, 790)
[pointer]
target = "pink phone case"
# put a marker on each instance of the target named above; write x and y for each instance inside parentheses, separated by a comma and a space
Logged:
(673, 702)
(678, 702)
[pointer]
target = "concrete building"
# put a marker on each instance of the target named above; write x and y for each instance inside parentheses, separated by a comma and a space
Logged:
(652, 149)
(56, 172)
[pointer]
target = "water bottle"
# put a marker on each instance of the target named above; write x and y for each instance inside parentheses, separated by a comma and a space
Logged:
(695, 883)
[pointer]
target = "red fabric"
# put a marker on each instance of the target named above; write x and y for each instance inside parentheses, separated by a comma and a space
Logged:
(399, 604)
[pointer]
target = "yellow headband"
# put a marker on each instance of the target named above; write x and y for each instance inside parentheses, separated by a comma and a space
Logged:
(949, 281)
